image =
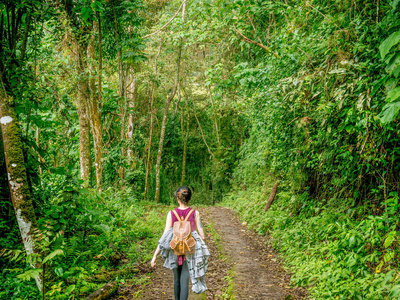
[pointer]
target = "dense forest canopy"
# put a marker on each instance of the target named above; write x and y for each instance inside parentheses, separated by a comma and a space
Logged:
(107, 106)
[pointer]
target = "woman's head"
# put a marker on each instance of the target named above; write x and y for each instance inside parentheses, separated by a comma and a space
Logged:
(183, 194)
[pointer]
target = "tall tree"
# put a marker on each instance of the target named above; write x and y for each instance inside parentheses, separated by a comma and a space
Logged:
(14, 23)
(131, 95)
(94, 104)
(151, 109)
(17, 177)
(80, 29)
(83, 113)
(185, 137)
(165, 114)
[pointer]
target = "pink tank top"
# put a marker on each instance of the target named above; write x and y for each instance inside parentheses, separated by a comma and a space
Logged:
(183, 213)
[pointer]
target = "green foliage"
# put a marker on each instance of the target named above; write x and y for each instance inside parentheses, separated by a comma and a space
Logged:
(107, 230)
(315, 113)
(333, 248)
(390, 52)
(387, 44)
(315, 106)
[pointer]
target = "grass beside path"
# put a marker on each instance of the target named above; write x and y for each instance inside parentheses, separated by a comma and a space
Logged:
(329, 251)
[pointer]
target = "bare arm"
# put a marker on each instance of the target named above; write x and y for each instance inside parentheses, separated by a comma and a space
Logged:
(168, 225)
(199, 226)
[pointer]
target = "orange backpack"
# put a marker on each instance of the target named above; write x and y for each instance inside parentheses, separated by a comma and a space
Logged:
(182, 243)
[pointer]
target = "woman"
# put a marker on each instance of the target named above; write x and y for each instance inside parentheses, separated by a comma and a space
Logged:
(191, 266)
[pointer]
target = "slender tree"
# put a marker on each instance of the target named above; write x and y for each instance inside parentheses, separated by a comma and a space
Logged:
(131, 95)
(122, 94)
(165, 114)
(83, 113)
(94, 107)
(80, 34)
(164, 125)
(151, 109)
(17, 177)
(185, 137)
(146, 185)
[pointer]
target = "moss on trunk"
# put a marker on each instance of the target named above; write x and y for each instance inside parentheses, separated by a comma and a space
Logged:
(83, 114)
(17, 177)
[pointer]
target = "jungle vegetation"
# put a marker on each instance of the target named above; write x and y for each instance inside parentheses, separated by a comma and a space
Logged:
(106, 106)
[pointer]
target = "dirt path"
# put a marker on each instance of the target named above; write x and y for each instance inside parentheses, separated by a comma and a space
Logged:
(241, 266)
(257, 273)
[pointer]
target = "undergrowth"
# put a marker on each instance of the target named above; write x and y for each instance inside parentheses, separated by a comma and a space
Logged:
(103, 232)
(334, 248)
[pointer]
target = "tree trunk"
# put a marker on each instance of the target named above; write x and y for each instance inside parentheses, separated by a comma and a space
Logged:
(131, 95)
(163, 126)
(17, 177)
(122, 94)
(25, 37)
(164, 121)
(146, 185)
(95, 114)
(40, 159)
(83, 115)
(80, 44)
(100, 62)
(272, 196)
(185, 136)
(184, 159)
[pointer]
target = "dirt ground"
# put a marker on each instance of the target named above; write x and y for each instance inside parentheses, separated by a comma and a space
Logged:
(240, 260)
(257, 272)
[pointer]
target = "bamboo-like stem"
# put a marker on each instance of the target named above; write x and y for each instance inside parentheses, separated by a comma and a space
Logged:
(146, 186)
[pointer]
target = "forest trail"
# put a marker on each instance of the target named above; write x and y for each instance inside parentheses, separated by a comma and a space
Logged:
(241, 266)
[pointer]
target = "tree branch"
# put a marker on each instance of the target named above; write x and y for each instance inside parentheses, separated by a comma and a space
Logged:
(201, 130)
(166, 24)
(256, 43)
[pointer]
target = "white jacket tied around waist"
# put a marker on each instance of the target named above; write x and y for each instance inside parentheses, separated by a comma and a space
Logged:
(197, 262)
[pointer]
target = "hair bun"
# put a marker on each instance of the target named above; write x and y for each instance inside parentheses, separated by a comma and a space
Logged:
(183, 194)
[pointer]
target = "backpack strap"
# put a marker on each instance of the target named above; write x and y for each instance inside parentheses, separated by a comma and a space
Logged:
(176, 214)
(188, 215)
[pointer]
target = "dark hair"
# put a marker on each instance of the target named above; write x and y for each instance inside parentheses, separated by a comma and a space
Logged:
(183, 194)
